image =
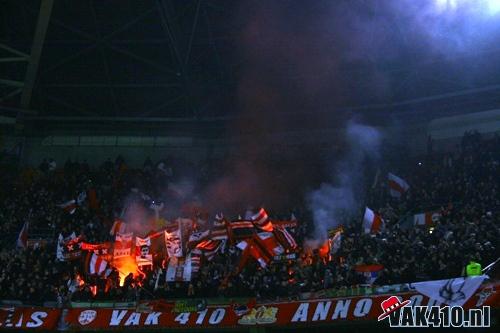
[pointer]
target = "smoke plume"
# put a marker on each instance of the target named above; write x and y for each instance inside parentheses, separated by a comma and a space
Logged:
(332, 201)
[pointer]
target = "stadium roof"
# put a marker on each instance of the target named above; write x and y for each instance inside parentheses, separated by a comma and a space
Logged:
(190, 60)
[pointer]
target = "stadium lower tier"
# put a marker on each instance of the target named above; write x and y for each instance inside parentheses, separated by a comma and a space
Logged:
(247, 315)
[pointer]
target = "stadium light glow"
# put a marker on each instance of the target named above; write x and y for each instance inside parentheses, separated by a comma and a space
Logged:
(492, 7)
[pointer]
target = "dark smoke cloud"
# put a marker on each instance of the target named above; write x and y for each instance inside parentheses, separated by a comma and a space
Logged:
(292, 78)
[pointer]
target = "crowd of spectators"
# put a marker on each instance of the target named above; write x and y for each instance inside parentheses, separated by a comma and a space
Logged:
(463, 185)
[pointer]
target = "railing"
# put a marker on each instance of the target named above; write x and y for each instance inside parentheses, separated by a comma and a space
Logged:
(361, 290)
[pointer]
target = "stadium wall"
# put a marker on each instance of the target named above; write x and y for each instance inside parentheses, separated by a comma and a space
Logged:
(446, 133)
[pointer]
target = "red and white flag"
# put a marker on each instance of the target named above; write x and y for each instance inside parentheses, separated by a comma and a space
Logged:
(22, 238)
(195, 263)
(270, 244)
(250, 249)
(97, 265)
(119, 227)
(209, 248)
(69, 206)
(397, 186)
(427, 218)
(123, 245)
(219, 230)
(197, 237)
(284, 237)
(372, 222)
(173, 242)
(261, 221)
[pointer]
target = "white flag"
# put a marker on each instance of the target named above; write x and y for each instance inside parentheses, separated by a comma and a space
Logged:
(454, 292)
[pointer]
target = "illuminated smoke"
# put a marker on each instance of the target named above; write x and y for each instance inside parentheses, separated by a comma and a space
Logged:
(334, 201)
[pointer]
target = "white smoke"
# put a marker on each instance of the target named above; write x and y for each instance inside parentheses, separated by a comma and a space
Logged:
(332, 201)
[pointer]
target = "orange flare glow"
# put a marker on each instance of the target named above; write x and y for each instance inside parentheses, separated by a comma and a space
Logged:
(125, 266)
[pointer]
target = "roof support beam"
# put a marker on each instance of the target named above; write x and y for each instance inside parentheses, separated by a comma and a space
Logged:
(13, 59)
(11, 83)
(36, 51)
(11, 94)
(180, 54)
(13, 51)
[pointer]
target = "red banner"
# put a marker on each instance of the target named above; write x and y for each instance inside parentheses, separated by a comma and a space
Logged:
(319, 311)
(279, 314)
(29, 318)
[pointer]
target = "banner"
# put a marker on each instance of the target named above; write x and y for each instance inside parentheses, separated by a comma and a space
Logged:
(123, 245)
(29, 318)
(310, 312)
(173, 242)
(143, 254)
(196, 314)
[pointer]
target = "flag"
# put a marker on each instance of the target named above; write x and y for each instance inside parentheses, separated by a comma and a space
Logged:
(269, 243)
(173, 242)
(143, 256)
(180, 269)
(241, 229)
(82, 196)
(68, 248)
(371, 272)
(209, 248)
(372, 222)
(195, 263)
(219, 230)
(123, 245)
(284, 238)
(100, 249)
(97, 265)
(118, 227)
(335, 242)
(250, 249)
(427, 218)
(197, 237)
(22, 238)
(292, 223)
(93, 201)
(60, 248)
(454, 292)
(69, 206)
(397, 186)
(261, 221)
